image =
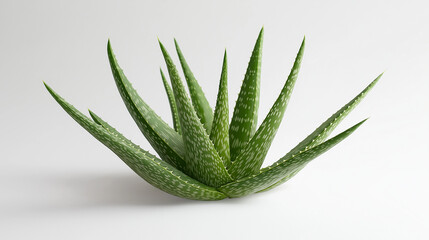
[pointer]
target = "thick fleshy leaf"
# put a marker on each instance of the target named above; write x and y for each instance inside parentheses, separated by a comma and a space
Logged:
(172, 101)
(165, 140)
(202, 160)
(155, 171)
(111, 130)
(322, 132)
(245, 116)
(283, 180)
(199, 100)
(220, 127)
(285, 167)
(250, 159)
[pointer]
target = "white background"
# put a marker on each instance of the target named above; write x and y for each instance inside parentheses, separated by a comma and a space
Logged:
(57, 182)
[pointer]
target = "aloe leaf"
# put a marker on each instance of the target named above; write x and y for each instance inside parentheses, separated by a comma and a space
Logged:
(285, 167)
(172, 102)
(245, 116)
(283, 180)
(155, 171)
(202, 160)
(111, 130)
(165, 140)
(325, 129)
(219, 134)
(199, 100)
(253, 154)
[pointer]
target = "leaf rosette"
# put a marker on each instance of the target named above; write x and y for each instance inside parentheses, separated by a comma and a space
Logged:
(205, 156)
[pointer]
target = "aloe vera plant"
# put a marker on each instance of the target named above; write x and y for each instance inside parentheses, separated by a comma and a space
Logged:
(205, 156)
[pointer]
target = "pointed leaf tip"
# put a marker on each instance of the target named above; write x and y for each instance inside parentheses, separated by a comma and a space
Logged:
(379, 76)
(50, 90)
(165, 140)
(155, 171)
(172, 102)
(251, 158)
(201, 156)
(220, 127)
(161, 45)
(198, 98)
(324, 130)
(261, 33)
(109, 45)
(245, 114)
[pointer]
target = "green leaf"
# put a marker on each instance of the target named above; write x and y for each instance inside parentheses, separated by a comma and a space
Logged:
(220, 128)
(283, 180)
(245, 116)
(155, 171)
(111, 130)
(285, 167)
(172, 102)
(253, 154)
(199, 100)
(165, 140)
(202, 160)
(324, 130)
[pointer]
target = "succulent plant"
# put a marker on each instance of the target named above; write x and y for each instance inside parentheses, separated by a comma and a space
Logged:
(204, 156)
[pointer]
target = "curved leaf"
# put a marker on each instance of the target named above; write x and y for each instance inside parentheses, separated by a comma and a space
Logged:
(165, 140)
(108, 128)
(155, 171)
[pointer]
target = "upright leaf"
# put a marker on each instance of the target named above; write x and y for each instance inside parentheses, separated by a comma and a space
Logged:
(199, 100)
(250, 159)
(220, 127)
(155, 171)
(245, 116)
(324, 130)
(282, 168)
(165, 140)
(172, 102)
(202, 160)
